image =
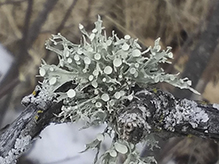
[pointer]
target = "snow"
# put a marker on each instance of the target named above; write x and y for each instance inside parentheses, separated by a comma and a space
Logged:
(5, 61)
(63, 143)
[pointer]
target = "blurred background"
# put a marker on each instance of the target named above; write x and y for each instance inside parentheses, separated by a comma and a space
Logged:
(190, 27)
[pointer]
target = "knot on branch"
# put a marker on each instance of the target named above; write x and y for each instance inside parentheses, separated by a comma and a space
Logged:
(132, 126)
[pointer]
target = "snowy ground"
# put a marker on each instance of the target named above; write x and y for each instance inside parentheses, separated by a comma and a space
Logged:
(62, 144)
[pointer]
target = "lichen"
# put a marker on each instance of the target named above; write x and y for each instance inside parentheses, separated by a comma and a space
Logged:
(21, 145)
(186, 111)
(216, 106)
(101, 72)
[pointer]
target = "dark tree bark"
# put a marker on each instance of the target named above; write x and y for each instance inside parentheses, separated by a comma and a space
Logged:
(16, 138)
(156, 112)
(164, 114)
(202, 53)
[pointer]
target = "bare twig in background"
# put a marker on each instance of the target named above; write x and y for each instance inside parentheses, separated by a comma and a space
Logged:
(4, 107)
(30, 33)
(183, 50)
(62, 24)
(9, 87)
(12, 79)
(12, 75)
(63, 160)
(37, 24)
(11, 2)
(202, 53)
(23, 42)
(189, 150)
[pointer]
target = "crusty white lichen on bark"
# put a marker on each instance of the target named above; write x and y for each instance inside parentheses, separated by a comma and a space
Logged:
(20, 146)
(151, 111)
(156, 111)
(16, 138)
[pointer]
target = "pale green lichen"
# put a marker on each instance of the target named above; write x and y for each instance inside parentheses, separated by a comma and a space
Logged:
(102, 71)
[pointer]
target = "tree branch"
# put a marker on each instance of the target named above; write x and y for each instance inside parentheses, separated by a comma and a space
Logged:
(151, 111)
(16, 138)
(161, 113)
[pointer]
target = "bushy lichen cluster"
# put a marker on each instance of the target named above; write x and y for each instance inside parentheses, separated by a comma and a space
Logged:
(101, 72)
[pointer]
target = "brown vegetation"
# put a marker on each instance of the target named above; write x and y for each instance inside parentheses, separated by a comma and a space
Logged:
(179, 23)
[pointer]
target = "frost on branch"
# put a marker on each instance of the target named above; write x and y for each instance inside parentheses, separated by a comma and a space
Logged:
(100, 74)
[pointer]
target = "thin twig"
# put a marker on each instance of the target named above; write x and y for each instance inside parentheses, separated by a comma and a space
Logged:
(23, 43)
(40, 20)
(12, 2)
(6, 89)
(62, 24)
(4, 107)
(28, 37)
(11, 79)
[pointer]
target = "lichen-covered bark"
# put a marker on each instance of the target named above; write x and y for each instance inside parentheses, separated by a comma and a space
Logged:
(16, 138)
(163, 113)
(151, 111)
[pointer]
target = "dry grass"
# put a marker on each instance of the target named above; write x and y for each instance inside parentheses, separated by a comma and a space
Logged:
(150, 19)
(143, 19)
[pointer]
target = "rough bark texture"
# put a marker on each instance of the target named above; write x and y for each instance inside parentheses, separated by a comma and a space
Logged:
(165, 114)
(156, 112)
(18, 136)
